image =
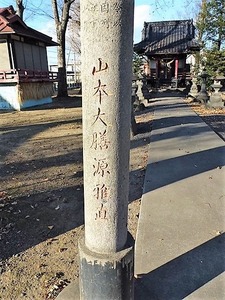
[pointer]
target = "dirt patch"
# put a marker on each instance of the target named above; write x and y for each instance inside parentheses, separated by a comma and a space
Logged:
(214, 117)
(41, 196)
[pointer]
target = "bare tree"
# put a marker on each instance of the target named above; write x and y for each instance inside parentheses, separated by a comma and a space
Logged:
(61, 23)
(20, 8)
(74, 28)
(61, 11)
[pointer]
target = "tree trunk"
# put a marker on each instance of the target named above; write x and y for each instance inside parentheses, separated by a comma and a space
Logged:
(61, 26)
(133, 122)
(62, 76)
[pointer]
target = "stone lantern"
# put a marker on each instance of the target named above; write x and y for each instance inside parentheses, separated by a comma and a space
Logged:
(135, 99)
(203, 96)
(216, 97)
(134, 85)
(194, 89)
(141, 100)
(139, 90)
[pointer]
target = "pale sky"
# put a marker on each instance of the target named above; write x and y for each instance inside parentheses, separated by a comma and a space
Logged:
(145, 11)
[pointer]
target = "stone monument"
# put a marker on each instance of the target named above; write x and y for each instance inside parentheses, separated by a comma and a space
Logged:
(106, 254)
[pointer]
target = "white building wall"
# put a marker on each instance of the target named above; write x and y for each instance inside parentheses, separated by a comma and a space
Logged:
(9, 96)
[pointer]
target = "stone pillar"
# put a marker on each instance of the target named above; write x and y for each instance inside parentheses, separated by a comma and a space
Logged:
(139, 90)
(203, 96)
(157, 73)
(157, 63)
(106, 258)
(134, 103)
(194, 89)
(176, 71)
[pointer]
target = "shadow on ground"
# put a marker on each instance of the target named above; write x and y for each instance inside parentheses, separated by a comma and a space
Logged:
(41, 193)
(185, 274)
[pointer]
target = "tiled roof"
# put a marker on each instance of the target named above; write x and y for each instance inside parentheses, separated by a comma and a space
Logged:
(167, 37)
(10, 23)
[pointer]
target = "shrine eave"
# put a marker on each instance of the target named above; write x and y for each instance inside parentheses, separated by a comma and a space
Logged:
(11, 24)
(167, 37)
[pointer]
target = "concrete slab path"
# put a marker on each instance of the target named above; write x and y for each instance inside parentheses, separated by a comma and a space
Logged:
(180, 245)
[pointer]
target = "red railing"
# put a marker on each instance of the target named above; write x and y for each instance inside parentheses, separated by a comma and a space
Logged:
(9, 76)
(20, 75)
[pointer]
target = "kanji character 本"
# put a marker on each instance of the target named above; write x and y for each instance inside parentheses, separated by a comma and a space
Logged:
(101, 167)
(100, 89)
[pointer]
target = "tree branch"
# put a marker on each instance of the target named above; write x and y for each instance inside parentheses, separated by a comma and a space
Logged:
(55, 12)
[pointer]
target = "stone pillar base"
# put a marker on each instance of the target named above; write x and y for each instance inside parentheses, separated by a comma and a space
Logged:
(106, 276)
(215, 101)
(103, 276)
(202, 97)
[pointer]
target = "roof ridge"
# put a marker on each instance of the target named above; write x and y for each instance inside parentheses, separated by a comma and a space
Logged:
(11, 23)
(169, 21)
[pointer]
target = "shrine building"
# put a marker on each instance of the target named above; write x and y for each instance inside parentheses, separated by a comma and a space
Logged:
(24, 77)
(168, 47)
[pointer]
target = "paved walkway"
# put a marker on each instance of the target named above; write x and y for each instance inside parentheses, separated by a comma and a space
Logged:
(180, 246)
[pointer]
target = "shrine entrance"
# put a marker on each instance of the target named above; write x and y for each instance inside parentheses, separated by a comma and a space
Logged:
(166, 69)
(167, 45)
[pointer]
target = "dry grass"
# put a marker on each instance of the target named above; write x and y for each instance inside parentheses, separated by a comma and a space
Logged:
(35, 90)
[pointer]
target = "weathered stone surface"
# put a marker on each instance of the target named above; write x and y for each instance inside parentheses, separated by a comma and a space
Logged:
(215, 99)
(106, 38)
(106, 276)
